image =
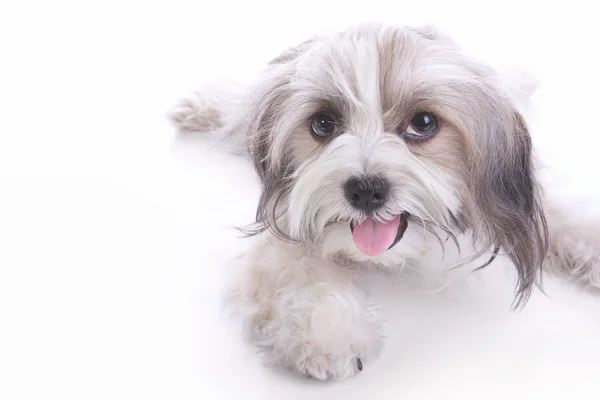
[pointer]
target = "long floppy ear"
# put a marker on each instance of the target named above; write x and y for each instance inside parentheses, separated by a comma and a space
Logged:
(267, 103)
(267, 98)
(508, 197)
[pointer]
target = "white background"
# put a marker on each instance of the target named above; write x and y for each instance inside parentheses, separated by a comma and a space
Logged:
(115, 235)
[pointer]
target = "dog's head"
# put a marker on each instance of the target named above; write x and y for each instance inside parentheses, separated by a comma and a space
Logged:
(367, 137)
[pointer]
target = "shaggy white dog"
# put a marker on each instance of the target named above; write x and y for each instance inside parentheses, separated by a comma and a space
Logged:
(372, 145)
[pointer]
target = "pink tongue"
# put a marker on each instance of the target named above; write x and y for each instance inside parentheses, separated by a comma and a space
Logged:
(373, 238)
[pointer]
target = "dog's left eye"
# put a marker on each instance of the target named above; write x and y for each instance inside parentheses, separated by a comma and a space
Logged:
(422, 125)
(324, 124)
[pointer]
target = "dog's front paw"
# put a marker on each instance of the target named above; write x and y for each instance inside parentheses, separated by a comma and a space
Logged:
(325, 332)
(325, 366)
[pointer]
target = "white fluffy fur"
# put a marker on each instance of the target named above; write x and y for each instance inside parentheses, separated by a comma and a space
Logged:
(300, 301)
(305, 313)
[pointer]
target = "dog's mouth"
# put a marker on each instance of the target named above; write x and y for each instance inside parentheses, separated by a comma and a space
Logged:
(373, 237)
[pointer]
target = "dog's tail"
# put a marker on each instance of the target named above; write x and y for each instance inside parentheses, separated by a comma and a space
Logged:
(217, 110)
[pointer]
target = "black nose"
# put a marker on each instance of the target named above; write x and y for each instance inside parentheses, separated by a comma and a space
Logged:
(366, 194)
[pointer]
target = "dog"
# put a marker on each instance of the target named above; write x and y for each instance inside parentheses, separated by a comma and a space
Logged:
(371, 144)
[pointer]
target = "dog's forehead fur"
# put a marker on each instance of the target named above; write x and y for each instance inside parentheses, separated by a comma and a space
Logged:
(376, 78)
(389, 71)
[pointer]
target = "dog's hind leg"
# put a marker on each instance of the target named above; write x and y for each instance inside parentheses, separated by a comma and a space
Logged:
(216, 110)
(574, 251)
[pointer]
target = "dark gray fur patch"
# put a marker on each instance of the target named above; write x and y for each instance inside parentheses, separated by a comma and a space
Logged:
(510, 208)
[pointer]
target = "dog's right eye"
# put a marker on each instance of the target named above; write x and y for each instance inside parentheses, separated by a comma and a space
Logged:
(323, 124)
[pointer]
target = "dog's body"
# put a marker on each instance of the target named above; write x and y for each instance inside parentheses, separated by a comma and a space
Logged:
(371, 145)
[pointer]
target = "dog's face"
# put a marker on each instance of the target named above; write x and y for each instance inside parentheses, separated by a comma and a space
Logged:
(366, 139)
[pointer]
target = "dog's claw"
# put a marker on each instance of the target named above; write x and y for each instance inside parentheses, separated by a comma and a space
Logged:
(359, 364)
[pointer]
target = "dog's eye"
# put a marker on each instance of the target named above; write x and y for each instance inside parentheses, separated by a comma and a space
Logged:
(324, 124)
(422, 125)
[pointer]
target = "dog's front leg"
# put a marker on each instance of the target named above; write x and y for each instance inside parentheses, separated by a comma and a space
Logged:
(305, 313)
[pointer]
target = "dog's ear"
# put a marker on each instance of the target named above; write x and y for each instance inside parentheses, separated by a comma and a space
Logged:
(508, 197)
(266, 102)
(267, 105)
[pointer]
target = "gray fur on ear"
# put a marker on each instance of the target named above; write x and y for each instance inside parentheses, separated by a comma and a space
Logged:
(508, 198)
(266, 106)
